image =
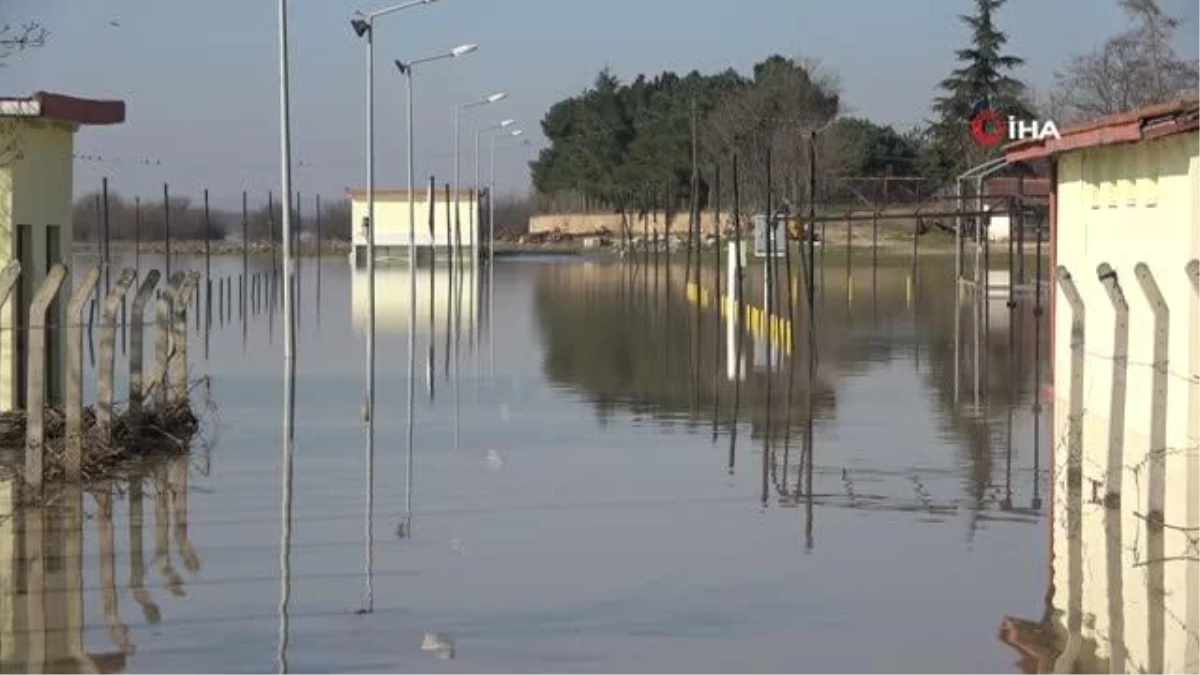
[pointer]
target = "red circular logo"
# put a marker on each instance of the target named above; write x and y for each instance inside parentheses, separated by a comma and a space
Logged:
(988, 128)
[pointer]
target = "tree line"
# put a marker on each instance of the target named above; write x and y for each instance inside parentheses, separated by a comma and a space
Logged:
(146, 220)
(631, 146)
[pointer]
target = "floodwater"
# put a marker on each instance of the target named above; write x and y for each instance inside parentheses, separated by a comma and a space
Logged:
(575, 502)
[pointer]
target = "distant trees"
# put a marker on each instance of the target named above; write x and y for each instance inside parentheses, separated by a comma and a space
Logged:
(129, 219)
(1134, 68)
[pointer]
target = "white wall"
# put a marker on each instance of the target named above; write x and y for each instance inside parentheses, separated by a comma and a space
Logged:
(436, 300)
(1126, 205)
(392, 218)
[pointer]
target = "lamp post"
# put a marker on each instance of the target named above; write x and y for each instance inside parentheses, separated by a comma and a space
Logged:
(492, 244)
(406, 68)
(363, 24)
(493, 98)
(478, 178)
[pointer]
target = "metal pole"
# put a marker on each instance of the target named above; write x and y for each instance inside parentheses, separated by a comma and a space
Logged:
(285, 159)
(167, 229)
(412, 305)
(107, 237)
(478, 193)
(492, 257)
(812, 217)
(369, 407)
(137, 237)
(457, 187)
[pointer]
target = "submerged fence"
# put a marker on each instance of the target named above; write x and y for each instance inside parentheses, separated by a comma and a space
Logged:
(68, 436)
(1127, 467)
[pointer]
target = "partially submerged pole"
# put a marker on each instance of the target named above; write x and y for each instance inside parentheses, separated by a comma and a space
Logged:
(135, 343)
(179, 352)
(159, 376)
(108, 336)
(35, 398)
(74, 396)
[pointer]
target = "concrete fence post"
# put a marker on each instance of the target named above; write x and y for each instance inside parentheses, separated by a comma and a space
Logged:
(1120, 372)
(179, 340)
(1193, 270)
(1075, 388)
(162, 341)
(80, 297)
(1157, 459)
(1158, 388)
(35, 424)
(108, 352)
(135, 344)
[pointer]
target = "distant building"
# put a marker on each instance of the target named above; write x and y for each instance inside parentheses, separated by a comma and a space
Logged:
(1125, 480)
(392, 228)
(37, 143)
(1005, 196)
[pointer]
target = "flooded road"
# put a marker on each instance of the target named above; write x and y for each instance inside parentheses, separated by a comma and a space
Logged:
(575, 502)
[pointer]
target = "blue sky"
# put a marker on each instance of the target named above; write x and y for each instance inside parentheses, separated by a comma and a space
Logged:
(200, 78)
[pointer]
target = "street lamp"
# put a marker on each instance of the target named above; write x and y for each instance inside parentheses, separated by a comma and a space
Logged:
(363, 24)
(493, 98)
(478, 180)
(406, 68)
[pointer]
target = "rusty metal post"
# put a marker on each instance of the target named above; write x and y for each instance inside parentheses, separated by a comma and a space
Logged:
(162, 341)
(108, 337)
(179, 352)
(145, 292)
(35, 424)
(74, 395)
(1120, 367)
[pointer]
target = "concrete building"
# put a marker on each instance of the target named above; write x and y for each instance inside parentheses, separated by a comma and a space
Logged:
(1124, 244)
(37, 137)
(392, 216)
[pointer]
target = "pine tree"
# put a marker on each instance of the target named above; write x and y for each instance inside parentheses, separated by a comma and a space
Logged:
(982, 80)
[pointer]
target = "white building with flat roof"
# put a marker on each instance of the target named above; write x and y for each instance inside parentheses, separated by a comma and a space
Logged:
(443, 222)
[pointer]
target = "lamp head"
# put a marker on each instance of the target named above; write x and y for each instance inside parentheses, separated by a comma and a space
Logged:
(498, 96)
(507, 123)
(403, 67)
(517, 132)
(463, 50)
(360, 26)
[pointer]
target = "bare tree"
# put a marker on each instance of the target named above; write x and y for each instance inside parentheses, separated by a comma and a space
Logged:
(19, 38)
(15, 39)
(1131, 69)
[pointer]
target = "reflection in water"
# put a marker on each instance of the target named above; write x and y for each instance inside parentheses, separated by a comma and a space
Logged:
(616, 344)
(42, 564)
(439, 303)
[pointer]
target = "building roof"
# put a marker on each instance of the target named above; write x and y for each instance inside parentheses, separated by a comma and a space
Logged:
(358, 194)
(1152, 121)
(64, 109)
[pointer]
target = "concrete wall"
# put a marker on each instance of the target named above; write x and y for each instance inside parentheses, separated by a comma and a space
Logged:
(392, 218)
(35, 190)
(590, 223)
(1126, 205)
(436, 300)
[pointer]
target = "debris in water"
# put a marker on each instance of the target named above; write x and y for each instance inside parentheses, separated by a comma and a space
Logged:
(495, 460)
(441, 645)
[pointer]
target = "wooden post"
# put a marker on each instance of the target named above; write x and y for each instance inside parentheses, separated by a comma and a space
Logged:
(108, 337)
(35, 425)
(74, 398)
(135, 343)
(179, 353)
(162, 342)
